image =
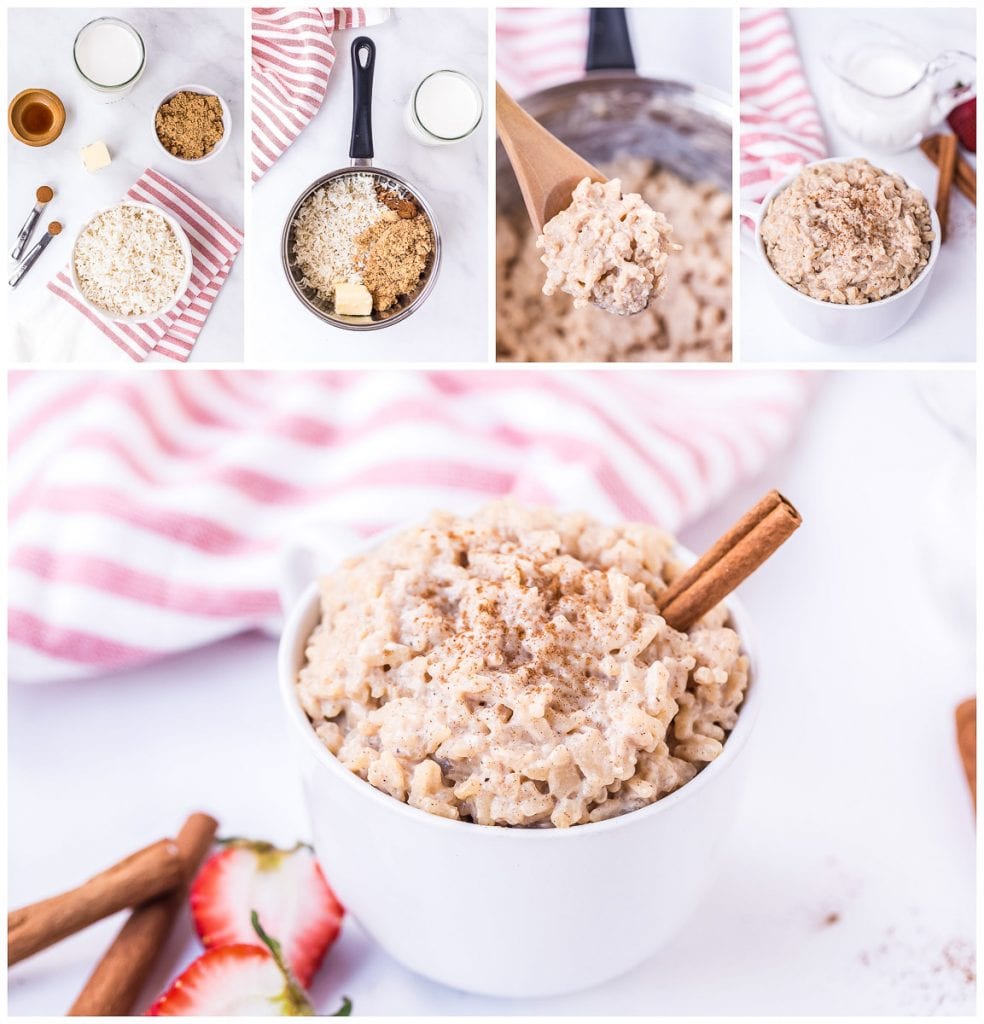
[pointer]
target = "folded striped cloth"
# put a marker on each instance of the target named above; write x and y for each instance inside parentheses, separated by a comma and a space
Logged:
(536, 48)
(149, 513)
(215, 243)
(292, 57)
(780, 124)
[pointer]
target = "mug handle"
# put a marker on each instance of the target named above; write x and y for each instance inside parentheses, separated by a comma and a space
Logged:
(746, 208)
(961, 81)
(314, 549)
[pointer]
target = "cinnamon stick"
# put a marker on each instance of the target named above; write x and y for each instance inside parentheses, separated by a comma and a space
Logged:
(965, 177)
(115, 985)
(143, 875)
(728, 561)
(967, 742)
(947, 164)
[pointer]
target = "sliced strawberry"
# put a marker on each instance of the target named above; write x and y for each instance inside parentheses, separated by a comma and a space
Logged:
(236, 981)
(963, 120)
(285, 887)
(239, 981)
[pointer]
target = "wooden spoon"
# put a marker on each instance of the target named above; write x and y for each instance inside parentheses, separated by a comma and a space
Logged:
(546, 169)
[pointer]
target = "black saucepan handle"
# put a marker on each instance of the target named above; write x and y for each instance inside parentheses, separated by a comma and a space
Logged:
(609, 46)
(363, 65)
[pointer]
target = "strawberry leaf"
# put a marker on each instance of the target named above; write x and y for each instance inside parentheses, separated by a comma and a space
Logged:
(345, 1010)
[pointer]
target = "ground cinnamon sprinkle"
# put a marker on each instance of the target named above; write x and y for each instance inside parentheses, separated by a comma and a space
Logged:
(189, 124)
(404, 206)
(392, 254)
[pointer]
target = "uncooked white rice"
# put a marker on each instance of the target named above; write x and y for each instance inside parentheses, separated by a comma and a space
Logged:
(326, 227)
(129, 262)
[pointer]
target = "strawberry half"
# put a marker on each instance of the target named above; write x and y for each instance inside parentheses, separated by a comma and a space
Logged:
(286, 889)
(963, 120)
(238, 981)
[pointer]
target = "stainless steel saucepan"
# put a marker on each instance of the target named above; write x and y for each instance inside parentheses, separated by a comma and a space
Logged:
(361, 156)
(614, 112)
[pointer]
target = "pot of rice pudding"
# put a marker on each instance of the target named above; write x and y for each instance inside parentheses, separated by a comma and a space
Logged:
(848, 249)
(671, 143)
(519, 778)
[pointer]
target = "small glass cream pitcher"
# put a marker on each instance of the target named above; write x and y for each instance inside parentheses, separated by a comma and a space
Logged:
(887, 92)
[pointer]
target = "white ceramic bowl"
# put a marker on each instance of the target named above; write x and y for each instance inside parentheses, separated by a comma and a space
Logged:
(182, 238)
(508, 911)
(828, 321)
(226, 124)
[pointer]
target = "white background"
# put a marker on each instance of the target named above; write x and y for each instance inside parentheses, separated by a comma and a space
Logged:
(204, 47)
(452, 323)
(942, 329)
(683, 44)
(847, 887)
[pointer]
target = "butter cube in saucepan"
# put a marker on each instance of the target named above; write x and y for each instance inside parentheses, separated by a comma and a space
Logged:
(96, 156)
(352, 299)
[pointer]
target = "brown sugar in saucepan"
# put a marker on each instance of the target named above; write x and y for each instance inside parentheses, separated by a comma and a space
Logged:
(392, 253)
(189, 124)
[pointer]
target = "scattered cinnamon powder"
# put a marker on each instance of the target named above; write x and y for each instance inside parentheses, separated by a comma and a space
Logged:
(924, 974)
(189, 124)
(392, 255)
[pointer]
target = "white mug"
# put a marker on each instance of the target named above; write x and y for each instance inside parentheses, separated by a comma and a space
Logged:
(832, 322)
(511, 911)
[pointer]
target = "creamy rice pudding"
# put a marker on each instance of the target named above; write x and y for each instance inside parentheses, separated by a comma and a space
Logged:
(607, 248)
(848, 233)
(512, 668)
(690, 322)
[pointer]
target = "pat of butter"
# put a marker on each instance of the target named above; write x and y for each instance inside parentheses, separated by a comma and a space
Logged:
(352, 299)
(96, 156)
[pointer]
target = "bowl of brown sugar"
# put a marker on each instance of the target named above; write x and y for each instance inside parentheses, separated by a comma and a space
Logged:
(192, 124)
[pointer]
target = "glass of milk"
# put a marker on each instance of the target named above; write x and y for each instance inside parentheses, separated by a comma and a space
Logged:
(445, 107)
(110, 57)
(887, 93)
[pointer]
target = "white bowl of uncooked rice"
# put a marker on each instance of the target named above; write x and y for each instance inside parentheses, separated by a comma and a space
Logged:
(131, 263)
(502, 740)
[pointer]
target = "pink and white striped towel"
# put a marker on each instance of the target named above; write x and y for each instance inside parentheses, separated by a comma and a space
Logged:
(293, 54)
(539, 47)
(780, 124)
(215, 244)
(149, 512)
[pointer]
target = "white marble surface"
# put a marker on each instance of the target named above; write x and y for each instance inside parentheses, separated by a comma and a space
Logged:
(847, 886)
(183, 46)
(452, 324)
(942, 330)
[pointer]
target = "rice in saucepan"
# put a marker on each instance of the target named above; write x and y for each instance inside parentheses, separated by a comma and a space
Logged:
(129, 262)
(326, 227)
